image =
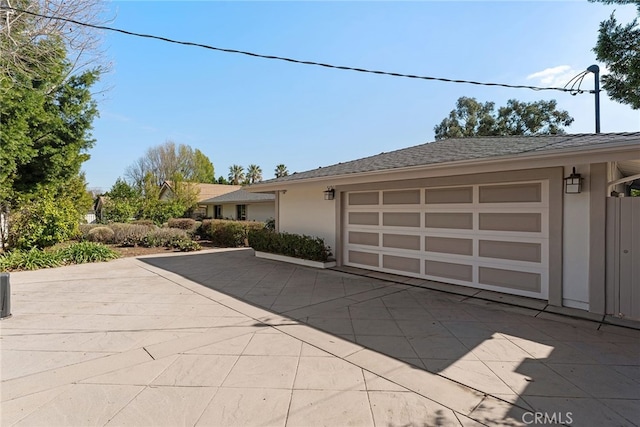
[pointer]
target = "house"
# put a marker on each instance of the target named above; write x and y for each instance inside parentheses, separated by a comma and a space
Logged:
(534, 216)
(241, 205)
(205, 192)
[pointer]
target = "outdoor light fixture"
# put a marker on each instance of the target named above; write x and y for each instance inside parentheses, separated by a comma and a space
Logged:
(573, 183)
(329, 193)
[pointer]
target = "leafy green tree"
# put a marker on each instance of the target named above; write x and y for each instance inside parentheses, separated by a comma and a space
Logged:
(121, 203)
(46, 114)
(203, 169)
(180, 201)
(222, 180)
(236, 174)
(618, 46)
(281, 170)
(472, 118)
(254, 174)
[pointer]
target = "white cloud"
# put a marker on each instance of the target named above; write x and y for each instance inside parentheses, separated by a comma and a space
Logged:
(561, 75)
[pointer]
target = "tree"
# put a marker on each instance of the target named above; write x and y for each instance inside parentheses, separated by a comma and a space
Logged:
(618, 46)
(222, 180)
(236, 174)
(121, 203)
(46, 113)
(254, 174)
(281, 170)
(169, 160)
(203, 169)
(180, 201)
(27, 27)
(472, 118)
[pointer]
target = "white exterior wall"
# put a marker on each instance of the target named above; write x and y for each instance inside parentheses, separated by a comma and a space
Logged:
(260, 211)
(229, 211)
(575, 238)
(303, 210)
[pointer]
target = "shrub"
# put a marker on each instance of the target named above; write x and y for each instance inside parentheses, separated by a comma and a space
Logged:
(186, 224)
(164, 237)
(187, 245)
(293, 245)
(42, 222)
(32, 259)
(100, 234)
(270, 224)
(130, 234)
(83, 252)
(84, 230)
(146, 222)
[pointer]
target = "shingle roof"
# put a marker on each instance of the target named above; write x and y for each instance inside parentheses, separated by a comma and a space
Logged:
(241, 196)
(459, 149)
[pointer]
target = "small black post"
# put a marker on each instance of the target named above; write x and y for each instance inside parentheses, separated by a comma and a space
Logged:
(5, 296)
(596, 89)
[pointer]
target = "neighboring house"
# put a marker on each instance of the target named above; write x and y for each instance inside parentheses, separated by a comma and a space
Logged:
(205, 192)
(241, 205)
(493, 213)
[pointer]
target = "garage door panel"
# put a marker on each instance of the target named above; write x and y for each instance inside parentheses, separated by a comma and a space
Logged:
(486, 236)
(448, 245)
(401, 241)
(399, 263)
(455, 220)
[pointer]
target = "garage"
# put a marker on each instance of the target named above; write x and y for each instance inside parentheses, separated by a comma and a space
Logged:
(492, 236)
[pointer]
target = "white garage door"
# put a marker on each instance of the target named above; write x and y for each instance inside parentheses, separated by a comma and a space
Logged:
(488, 236)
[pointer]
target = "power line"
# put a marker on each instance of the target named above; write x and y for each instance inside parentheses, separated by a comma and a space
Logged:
(571, 90)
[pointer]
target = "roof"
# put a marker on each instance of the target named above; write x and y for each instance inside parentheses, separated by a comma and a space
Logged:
(241, 196)
(461, 149)
(207, 191)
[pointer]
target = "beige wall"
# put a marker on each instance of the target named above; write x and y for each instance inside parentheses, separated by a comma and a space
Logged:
(303, 210)
(261, 211)
(575, 233)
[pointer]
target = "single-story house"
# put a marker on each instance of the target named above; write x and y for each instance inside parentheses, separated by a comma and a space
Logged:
(205, 192)
(241, 205)
(534, 216)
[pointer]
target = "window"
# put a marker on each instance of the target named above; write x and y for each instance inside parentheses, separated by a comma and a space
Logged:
(217, 211)
(241, 212)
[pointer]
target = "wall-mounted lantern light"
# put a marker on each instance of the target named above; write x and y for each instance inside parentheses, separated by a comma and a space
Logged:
(573, 183)
(329, 193)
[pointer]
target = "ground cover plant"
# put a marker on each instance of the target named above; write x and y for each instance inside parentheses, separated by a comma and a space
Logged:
(75, 253)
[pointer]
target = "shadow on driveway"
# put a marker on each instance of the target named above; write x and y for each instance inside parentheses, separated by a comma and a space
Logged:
(571, 373)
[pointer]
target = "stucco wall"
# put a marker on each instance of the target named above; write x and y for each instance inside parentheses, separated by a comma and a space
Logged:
(303, 210)
(260, 211)
(575, 261)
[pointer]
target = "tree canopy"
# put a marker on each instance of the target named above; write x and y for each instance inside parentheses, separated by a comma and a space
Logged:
(254, 174)
(167, 161)
(236, 174)
(473, 118)
(281, 170)
(618, 46)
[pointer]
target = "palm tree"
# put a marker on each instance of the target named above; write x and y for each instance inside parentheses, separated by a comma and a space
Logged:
(281, 170)
(254, 174)
(236, 174)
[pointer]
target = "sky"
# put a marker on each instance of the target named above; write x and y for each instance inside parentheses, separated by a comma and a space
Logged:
(243, 110)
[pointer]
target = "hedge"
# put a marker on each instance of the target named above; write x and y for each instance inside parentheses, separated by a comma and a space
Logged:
(228, 233)
(293, 245)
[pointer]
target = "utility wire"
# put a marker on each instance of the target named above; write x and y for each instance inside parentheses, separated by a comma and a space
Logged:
(296, 61)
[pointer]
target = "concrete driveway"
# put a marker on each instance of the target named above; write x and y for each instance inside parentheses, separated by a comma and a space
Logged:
(220, 338)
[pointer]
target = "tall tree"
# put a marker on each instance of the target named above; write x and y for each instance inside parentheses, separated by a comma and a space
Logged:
(203, 170)
(281, 170)
(236, 174)
(618, 46)
(46, 113)
(472, 118)
(170, 160)
(254, 174)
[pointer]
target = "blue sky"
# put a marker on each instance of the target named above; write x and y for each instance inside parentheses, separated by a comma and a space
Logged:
(242, 110)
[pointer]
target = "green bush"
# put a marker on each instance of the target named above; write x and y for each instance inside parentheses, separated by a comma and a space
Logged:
(75, 253)
(187, 245)
(100, 234)
(32, 259)
(84, 230)
(130, 234)
(164, 237)
(146, 222)
(83, 252)
(293, 245)
(186, 224)
(43, 222)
